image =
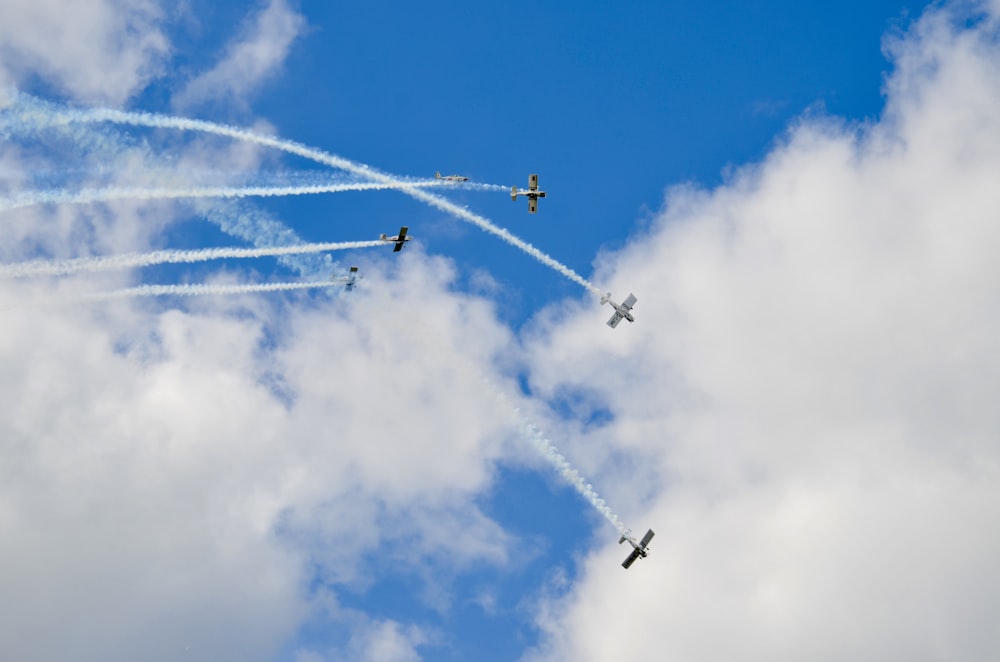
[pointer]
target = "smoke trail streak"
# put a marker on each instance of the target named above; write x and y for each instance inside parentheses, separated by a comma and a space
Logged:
(86, 196)
(239, 218)
(131, 260)
(566, 470)
(207, 290)
(551, 454)
(246, 221)
(182, 124)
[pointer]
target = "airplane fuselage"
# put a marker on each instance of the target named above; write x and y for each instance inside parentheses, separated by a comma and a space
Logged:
(400, 239)
(450, 178)
(624, 311)
(532, 193)
(529, 194)
(630, 540)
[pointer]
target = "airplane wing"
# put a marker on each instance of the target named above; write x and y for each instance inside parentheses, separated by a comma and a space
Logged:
(533, 182)
(532, 205)
(646, 538)
(617, 317)
(629, 302)
(400, 240)
(631, 559)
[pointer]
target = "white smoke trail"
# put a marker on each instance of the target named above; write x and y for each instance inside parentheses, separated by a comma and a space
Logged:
(476, 186)
(547, 450)
(489, 187)
(182, 124)
(246, 221)
(566, 470)
(207, 290)
(237, 217)
(87, 196)
(133, 260)
(434, 349)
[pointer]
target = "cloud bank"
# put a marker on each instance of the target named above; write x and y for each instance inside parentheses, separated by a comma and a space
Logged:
(175, 480)
(813, 377)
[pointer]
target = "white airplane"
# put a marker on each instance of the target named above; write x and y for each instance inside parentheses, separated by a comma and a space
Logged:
(532, 193)
(349, 281)
(399, 239)
(639, 550)
(623, 310)
(450, 178)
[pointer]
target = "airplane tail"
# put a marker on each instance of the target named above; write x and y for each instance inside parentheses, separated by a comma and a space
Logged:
(437, 175)
(513, 193)
(383, 237)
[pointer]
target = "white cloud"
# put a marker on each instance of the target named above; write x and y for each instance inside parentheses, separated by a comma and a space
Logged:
(387, 642)
(173, 481)
(169, 479)
(100, 51)
(254, 55)
(813, 378)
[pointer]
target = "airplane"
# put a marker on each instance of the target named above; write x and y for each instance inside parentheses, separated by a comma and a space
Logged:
(622, 310)
(450, 178)
(639, 550)
(532, 193)
(349, 281)
(399, 239)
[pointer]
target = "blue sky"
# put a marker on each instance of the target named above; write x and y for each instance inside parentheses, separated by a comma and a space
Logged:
(798, 195)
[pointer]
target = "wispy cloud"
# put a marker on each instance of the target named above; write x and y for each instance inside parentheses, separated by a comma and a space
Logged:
(95, 51)
(253, 56)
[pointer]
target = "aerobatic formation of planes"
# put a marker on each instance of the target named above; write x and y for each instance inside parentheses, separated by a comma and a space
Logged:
(623, 310)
